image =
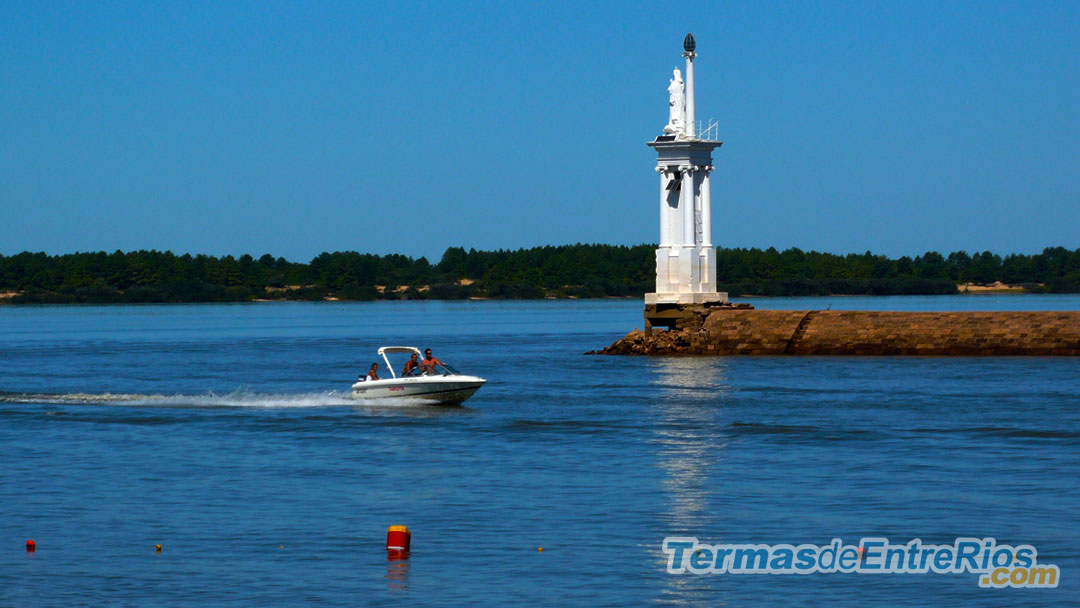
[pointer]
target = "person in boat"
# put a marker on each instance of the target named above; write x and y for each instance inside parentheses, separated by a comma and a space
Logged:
(373, 373)
(427, 366)
(411, 364)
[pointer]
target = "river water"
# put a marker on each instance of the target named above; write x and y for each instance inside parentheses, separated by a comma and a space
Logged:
(224, 433)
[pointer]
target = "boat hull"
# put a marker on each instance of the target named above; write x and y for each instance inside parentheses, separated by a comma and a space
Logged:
(434, 390)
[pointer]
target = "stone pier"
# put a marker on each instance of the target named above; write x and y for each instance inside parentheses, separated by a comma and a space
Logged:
(732, 330)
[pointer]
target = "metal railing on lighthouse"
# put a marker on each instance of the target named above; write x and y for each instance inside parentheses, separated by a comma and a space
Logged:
(710, 132)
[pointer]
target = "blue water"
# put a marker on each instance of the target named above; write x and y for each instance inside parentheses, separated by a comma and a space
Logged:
(223, 432)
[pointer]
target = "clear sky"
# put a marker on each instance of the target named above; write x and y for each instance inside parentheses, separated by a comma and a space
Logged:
(297, 128)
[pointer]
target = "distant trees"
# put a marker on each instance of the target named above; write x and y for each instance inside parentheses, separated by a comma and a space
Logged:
(585, 271)
(769, 272)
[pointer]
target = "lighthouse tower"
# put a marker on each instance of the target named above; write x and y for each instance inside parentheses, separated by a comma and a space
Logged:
(686, 259)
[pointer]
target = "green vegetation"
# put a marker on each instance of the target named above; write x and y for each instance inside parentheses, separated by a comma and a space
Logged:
(584, 271)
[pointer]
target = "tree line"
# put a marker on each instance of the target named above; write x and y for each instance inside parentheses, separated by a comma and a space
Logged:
(582, 270)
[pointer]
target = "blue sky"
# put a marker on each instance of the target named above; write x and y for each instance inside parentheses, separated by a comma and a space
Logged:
(296, 128)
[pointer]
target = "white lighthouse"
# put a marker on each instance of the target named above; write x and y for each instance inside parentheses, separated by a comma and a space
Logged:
(686, 259)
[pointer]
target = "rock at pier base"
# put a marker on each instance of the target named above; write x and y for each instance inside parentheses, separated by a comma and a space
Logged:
(683, 316)
(729, 330)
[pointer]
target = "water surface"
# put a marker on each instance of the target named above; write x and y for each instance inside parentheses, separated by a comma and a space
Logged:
(224, 432)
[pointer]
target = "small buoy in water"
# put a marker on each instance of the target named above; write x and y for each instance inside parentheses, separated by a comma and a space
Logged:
(31, 546)
(282, 546)
(540, 549)
(398, 541)
(157, 548)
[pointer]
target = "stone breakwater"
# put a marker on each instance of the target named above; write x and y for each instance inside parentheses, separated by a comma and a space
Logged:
(734, 331)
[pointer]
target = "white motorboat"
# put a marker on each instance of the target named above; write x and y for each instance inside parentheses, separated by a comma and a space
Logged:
(443, 384)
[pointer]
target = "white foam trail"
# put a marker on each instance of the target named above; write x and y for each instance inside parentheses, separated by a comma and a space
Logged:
(240, 398)
(249, 399)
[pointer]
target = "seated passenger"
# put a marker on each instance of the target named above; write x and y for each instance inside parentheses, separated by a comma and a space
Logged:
(410, 365)
(373, 373)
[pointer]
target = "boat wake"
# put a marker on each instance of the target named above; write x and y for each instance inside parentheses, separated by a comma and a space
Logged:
(241, 398)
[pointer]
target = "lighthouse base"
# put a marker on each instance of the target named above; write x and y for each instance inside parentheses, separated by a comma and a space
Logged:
(685, 275)
(652, 299)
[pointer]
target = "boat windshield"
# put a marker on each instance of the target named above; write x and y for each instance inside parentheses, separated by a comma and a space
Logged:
(396, 358)
(440, 370)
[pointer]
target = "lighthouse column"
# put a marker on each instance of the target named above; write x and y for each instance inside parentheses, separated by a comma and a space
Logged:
(688, 51)
(706, 208)
(665, 224)
(687, 203)
(691, 130)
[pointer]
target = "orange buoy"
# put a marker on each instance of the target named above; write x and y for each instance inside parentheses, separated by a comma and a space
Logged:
(398, 539)
(157, 548)
(31, 546)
